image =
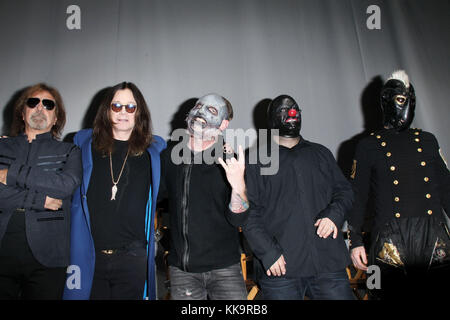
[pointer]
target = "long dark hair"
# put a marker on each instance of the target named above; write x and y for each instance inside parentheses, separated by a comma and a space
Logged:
(18, 124)
(141, 136)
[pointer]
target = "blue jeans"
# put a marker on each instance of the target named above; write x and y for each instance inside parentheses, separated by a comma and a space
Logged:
(326, 286)
(219, 284)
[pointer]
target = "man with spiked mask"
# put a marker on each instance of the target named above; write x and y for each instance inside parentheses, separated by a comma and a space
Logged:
(295, 215)
(402, 168)
(398, 101)
(207, 203)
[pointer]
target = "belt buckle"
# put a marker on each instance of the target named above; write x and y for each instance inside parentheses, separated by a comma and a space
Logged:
(108, 252)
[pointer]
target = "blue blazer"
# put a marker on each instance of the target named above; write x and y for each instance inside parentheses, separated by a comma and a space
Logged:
(82, 252)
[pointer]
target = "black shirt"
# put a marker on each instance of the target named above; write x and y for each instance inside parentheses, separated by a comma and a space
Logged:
(285, 206)
(117, 223)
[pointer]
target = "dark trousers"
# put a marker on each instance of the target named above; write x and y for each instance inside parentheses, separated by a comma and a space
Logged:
(219, 284)
(21, 275)
(412, 284)
(423, 247)
(326, 286)
(120, 275)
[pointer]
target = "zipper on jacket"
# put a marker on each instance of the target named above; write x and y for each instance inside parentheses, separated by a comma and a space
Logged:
(184, 215)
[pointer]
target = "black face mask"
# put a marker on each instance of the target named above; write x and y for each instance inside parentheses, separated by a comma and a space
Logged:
(398, 103)
(284, 114)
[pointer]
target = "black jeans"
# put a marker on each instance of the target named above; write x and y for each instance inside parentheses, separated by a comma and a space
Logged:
(325, 286)
(21, 275)
(120, 275)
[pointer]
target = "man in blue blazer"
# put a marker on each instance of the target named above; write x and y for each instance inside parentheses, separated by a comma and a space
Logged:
(123, 118)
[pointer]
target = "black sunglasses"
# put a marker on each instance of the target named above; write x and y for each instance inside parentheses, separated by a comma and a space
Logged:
(117, 107)
(48, 104)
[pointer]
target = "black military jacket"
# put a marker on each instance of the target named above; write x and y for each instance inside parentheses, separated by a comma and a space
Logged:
(44, 167)
(406, 175)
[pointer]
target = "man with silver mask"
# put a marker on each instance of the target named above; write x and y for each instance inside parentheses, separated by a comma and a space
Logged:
(208, 118)
(207, 203)
(295, 215)
(403, 169)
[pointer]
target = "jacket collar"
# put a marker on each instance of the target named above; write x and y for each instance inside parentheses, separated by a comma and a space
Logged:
(42, 136)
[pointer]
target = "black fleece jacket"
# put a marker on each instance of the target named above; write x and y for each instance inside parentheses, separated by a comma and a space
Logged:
(203, 230)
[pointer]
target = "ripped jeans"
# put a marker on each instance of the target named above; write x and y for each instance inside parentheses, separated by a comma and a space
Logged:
(219, 284)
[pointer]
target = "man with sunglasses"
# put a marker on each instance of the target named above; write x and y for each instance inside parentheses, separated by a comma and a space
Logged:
(38, 175)
(113, 240)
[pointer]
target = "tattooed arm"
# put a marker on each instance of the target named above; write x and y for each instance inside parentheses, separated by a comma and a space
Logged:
(239, 201)
(239, 204)
(234, 170)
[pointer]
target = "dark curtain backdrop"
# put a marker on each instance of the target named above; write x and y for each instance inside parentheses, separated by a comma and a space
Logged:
(319, 51)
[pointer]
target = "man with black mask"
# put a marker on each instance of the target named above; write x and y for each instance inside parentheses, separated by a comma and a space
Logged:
(410, 182)
(296, 214)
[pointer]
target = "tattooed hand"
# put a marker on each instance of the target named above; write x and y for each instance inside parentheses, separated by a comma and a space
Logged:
(234, 170)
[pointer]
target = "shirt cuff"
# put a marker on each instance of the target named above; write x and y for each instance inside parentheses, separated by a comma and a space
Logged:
(270, 258)
(355, 240)
(333, 216)
(237, 219)
(13, 172)
(36, 201)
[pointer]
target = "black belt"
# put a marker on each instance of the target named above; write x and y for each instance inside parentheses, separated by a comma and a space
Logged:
(132, 245)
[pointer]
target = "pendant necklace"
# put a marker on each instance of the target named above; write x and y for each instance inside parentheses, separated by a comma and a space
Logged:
(114, 187)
